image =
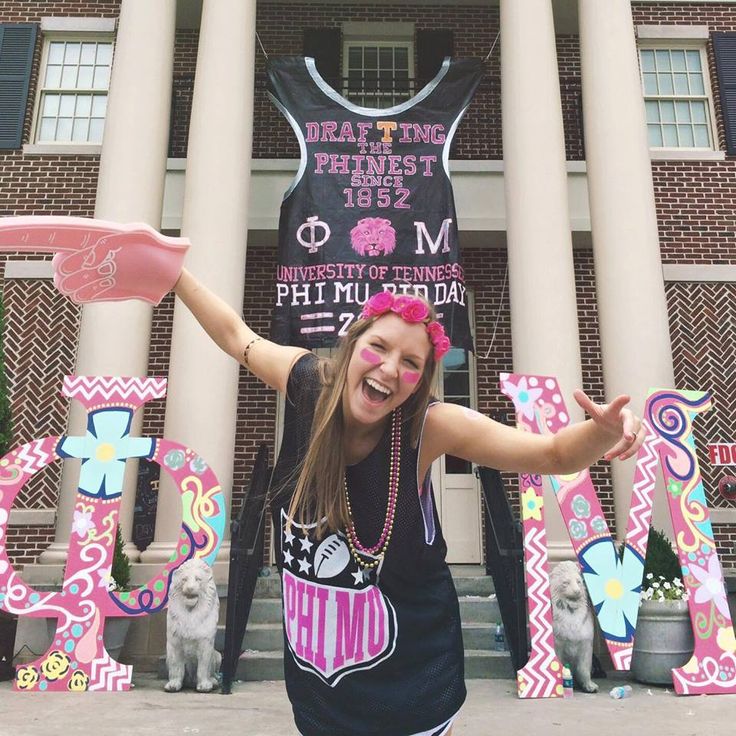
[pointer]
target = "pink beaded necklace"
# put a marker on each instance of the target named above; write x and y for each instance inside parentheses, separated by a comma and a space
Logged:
(378, 550)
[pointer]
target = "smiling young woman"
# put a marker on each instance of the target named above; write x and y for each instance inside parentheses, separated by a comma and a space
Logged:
(373, 641)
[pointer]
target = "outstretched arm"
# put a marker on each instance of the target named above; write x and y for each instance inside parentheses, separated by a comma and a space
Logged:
(612, 431)
(266, 360)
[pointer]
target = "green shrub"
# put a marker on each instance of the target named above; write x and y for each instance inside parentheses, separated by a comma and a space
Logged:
(120, 563)
(661, 560)
(662, 576)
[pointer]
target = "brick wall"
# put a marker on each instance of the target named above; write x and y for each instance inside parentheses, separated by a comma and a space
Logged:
(31, 11)
(696, 210)
(717, 16)
(725, 536)
(25, 543)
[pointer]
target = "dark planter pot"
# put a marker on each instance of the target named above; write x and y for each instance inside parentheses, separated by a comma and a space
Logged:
(664, 640)
(116, 629)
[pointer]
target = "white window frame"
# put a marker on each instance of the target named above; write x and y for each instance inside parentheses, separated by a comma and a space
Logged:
(673, 41)
(408, 44)
(359, 33)
(70, 147)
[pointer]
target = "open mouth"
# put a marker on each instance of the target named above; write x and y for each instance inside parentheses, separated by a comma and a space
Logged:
(375, 392)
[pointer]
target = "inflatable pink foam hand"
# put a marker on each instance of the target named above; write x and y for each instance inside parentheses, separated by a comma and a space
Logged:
(100, 261)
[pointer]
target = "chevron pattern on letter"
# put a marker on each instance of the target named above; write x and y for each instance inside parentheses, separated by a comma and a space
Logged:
(111, 388)
(36, 455)
(107, 674)
(539, 674)
(622, 658)
(645, 476)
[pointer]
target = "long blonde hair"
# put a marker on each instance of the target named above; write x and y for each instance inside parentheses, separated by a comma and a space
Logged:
(320, 489)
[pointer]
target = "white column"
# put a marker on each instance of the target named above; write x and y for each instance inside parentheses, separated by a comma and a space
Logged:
(203, 381)
(114, 337)
(632, 309)
(544, 323)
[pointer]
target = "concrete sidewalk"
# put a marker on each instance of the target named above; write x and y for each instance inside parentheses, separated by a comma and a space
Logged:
(261, 709)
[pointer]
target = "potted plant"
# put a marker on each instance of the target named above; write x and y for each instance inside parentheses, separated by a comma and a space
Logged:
(664, 634)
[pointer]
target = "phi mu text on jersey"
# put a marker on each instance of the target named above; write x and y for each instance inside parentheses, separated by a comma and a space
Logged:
(332, 631)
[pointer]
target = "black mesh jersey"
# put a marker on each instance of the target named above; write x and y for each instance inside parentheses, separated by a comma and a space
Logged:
(365, 652)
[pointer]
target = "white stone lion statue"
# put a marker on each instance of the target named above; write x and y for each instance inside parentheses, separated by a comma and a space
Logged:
(572, 623)
(191, 625)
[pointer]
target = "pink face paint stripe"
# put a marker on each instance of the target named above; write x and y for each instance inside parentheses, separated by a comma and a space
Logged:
(370, 357)
(411, 376)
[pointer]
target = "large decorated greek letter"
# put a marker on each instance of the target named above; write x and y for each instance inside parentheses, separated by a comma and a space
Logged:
(77, 659)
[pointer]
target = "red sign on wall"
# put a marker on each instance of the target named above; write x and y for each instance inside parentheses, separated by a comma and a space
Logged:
(722, 454)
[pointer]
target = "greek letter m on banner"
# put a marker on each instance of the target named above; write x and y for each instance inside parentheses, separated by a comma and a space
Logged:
(371, 206)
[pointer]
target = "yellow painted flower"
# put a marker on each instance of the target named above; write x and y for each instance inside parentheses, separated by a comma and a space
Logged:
(26, 678)
(726, 640)
(78, 682)
(522, 683)
(55, 666)
(531, 505)
(692, 666)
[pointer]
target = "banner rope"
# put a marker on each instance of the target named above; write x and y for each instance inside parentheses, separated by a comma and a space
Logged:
(498, 313)
(264, 50)
(493, 46)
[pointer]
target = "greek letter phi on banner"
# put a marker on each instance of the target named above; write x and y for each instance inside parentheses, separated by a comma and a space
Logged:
(371, 206)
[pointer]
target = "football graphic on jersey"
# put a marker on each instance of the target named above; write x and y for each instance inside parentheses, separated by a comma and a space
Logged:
(331, 557)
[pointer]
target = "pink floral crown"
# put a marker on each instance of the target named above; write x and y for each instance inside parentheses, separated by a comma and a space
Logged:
(411, 310)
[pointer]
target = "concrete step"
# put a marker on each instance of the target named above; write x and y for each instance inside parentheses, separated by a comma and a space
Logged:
(479, 609)
(478, 636)
(265, 611)
(479, 664)
(262, 637)
(468, 579)
(269, 637)
(479, 612)
(473, 609)
(479, 586)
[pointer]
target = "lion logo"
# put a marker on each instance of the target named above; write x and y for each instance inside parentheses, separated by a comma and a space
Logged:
(373, 236)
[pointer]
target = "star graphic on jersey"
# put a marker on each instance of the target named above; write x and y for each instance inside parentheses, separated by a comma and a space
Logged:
(288, 536)
(304, 565)
(361, 576)
(288, 557)
(306, 544)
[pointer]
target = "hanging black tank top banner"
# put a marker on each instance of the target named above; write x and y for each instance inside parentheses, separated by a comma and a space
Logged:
(371, 206)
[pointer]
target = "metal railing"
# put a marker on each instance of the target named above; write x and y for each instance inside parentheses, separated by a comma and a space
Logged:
(246, 559)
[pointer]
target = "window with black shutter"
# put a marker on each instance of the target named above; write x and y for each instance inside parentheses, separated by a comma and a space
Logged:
(724, 47)
(17, 42)
(432, 47)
